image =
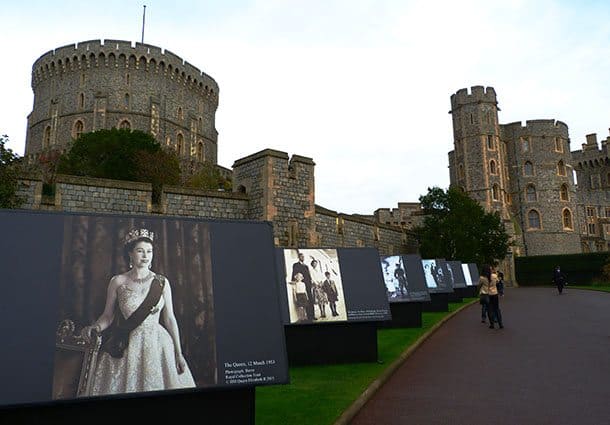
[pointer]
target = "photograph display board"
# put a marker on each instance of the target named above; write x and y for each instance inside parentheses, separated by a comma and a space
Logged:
(467, 276)
(404, 278)
(178, 302)
(323, 285)
(437, 276)
(474, 273)
(458, 280)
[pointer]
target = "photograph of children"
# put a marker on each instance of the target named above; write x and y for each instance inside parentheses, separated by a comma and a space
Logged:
(431, 273)
(136, 295)
(395, 277)
(314, 286)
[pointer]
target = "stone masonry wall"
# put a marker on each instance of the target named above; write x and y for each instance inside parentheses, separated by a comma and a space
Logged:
(206, 204)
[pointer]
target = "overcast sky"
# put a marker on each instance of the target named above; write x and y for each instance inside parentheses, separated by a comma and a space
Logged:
(360, 86)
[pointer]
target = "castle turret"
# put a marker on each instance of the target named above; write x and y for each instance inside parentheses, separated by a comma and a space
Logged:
(477, 164)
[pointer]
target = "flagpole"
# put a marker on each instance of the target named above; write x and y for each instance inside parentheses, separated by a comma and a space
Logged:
(143, 22)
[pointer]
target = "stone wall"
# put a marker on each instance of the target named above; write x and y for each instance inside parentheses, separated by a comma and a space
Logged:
(205, 204)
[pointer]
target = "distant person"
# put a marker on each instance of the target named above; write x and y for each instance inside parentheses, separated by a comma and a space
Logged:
(559, 279)
(500, 283)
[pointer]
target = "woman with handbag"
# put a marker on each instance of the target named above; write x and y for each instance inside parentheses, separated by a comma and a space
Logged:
(137, 353)
(488, 296)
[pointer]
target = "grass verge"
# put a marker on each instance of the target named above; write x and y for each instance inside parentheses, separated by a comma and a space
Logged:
(602, 288)
(320, 394)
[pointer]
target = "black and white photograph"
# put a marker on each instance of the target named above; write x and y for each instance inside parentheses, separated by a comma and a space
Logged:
(395, 277)
(430, 272)
(141, 293)
(314, 286)
(457, 275)
(474, 273)
(467, 276)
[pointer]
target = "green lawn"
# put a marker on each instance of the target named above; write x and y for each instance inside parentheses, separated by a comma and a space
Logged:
(603, 288)
(319, 394)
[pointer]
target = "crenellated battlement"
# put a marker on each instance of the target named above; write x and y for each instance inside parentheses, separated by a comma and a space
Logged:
(476, 94)
(120, 53)
(539, 127)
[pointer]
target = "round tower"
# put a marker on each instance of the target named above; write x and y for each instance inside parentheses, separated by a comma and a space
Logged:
(478, 160)
(542, 188)
(98, 84)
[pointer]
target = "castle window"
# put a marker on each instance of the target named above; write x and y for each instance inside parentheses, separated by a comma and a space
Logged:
(127, 78)
(200, 122)
(180, 144)
(180, 115)
(528, 169)
(461, 172)
(46, 138)
(591, 220)
(125, 125)
(563, 193)
(558, 145)
(595, 183)
(471, 119)
(81, 100)
(492, 167)
(530, 193)
(200, 151)
(77, 129)
(168, 141)
(525, 145)
(561, 168)
(591, 228)
(126, 101)
(607, 212)
(533, 219)
(490, 143)
(495, 192)
(508, 198)
(82, 79)
(567, 220)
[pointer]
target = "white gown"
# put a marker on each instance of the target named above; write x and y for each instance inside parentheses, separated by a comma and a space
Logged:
(148, 363)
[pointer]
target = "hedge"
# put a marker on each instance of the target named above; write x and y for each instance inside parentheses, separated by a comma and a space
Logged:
(579, 269)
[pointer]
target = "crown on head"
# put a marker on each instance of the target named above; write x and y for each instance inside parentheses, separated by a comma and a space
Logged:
(136, 234)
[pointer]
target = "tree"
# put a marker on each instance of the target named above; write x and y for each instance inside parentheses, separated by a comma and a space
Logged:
(122, 154)
(209, 177)
(9, 161)
(456, 227)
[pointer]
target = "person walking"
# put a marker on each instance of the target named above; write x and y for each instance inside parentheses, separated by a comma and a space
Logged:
(559, 279)
(488, 294)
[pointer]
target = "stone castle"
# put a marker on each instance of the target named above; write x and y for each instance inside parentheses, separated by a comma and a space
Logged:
(525, 173)
(98, 84)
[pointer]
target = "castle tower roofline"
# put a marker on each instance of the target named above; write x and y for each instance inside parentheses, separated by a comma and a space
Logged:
(84, 49)
(477, 94)
(538, 127)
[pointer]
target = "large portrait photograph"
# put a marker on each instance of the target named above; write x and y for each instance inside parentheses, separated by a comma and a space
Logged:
(431, 272)
(395, 277)
(136, 307)
(314, 286)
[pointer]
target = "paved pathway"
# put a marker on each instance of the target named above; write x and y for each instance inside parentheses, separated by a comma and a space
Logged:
(549, 365)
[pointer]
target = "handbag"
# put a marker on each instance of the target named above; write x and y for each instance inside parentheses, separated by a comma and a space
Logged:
(115, 338)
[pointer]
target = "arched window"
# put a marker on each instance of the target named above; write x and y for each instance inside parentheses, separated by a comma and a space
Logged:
(180, 144)
(563, 193)
(77, 129)
(533, 219)
(530, 193)
(528, 169)
(200, 151)
(180, 115)
(81, 100)
(495, 192)
(492, 167)
(561, 168)
(126, 101)
(125, 125)
(200, 125)
(567, 219)
(46, 137)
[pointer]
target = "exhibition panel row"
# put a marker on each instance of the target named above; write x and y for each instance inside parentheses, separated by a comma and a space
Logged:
(103, 306)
